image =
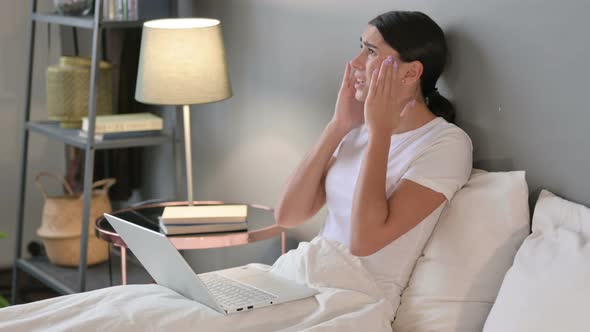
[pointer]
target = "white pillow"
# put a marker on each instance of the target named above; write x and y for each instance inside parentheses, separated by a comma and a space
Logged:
(548, 287)
(455, 282)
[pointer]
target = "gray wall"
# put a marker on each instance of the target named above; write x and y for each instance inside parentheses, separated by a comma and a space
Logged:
(517, 76)
(43, 154)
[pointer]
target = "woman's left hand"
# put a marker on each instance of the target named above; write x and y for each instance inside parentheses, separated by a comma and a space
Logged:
(388, 100)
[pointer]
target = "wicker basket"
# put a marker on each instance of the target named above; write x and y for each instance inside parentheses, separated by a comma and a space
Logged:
(68, 86)
(61, 223)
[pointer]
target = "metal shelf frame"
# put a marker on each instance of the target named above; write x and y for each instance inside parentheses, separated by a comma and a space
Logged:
(85, 22)
(35, 267)
(72, 137)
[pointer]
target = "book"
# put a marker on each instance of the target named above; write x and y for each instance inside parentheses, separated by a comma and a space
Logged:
(121, 134)
(202, 228)
(205, 214)
(124, 123)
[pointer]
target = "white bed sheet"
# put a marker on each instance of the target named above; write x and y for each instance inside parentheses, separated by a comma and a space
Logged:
(349, 300)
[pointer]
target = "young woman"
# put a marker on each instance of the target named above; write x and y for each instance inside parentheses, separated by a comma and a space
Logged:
(390, 158)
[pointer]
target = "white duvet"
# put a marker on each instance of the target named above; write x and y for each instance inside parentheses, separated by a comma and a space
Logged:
(349, 300)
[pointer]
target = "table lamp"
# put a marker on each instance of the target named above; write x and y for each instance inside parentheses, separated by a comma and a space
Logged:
(182, 62)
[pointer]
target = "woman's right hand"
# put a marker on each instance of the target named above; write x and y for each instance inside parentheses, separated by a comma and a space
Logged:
(349, 112)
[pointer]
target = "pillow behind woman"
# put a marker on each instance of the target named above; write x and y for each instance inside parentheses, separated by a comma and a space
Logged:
(455, 282)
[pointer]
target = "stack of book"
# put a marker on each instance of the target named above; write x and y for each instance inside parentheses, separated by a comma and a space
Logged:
(203, 219)
(117, 126)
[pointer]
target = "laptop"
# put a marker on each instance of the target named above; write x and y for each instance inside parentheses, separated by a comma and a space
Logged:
(226, 291)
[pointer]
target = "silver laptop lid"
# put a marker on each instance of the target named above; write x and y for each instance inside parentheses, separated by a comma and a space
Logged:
(163, 261)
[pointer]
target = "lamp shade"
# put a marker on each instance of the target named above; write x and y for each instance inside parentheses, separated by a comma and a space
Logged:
(182, 62)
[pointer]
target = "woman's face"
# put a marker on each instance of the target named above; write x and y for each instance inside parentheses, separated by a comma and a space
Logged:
(374, 50)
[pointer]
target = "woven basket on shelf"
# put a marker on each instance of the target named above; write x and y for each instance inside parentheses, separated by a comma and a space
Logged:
(61, 223)
(68, 86)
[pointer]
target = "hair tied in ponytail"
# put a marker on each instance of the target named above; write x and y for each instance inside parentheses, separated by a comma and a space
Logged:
(430, 95)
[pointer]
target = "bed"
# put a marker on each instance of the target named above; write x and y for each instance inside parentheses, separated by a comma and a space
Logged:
(349, 300)
(477, 272)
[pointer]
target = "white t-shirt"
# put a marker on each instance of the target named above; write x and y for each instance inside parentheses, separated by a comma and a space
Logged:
(437, 155)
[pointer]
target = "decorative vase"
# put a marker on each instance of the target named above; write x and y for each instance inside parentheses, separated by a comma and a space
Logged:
(68, 87)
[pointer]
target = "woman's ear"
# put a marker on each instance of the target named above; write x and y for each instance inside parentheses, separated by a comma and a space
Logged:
(413, 72)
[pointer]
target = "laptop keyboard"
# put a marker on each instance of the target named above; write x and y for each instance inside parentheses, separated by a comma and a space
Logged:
(231, 293)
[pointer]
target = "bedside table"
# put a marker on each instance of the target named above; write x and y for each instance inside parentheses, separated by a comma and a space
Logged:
(147, 216)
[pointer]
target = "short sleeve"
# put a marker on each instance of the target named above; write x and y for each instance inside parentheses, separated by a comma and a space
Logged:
(444, 166)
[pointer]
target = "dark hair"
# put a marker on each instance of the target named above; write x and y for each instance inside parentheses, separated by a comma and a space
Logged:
(416, 37)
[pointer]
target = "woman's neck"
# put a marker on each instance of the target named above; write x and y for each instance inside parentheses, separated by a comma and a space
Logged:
(415, 118)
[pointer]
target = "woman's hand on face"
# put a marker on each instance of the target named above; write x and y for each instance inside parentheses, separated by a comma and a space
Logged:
(388, 99)
(349, 111)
